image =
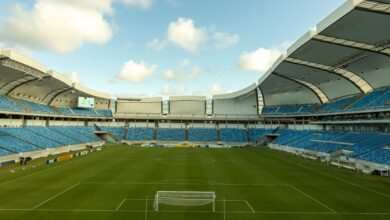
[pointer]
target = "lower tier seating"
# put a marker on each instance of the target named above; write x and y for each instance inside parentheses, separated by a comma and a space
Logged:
(140, 134)
(202, 135)
(171, 134)
(25, 139)
(233, 135)
(255, 134)
(360, 145)
(118, 132)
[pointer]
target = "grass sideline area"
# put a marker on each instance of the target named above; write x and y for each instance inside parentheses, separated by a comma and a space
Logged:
(250, 183)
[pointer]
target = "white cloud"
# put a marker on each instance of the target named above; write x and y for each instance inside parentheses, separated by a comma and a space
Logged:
(74, 77)
(60, 26)
(185, 63)
(173, 75)
(216, 89)
(143, 4)
(168, 89)
(184, 34)
(224, 40)
(136, 72)
(261, 59)
(194, 73)
(157, 44)
(182, 72)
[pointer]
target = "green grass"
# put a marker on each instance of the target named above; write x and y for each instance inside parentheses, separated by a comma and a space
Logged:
(255, 184)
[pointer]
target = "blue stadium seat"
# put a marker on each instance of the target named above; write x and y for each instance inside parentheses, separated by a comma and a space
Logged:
(233, 135)
(118, 132)
(171, 134)
(140, 134)
(202, 135)
(255, 134)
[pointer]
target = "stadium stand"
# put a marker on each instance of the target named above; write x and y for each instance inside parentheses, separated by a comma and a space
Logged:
(29, 137)
(118, 132)
(255, 134)
(361, 145)
(24, 139)
(21, 105)
(233, 135)
(171, 134)
(15, 145)
(140, 134)
(202, 135)
(380, 156)
(335, 105)
(378, 99)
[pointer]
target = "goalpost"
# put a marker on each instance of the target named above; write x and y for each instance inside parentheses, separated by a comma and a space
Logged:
(184, 198)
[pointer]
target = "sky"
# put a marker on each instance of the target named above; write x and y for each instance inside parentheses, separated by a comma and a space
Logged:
(147, 48)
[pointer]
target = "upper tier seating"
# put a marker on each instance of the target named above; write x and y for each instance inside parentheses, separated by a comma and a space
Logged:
(38, 108)
(233, 135)
(84, 112)
(335, 105)
(104, 113)
(378, 99)
(9, 105)
(20, 105)
(287, 109)
(140, 134)
(202, 135)
(171, 134)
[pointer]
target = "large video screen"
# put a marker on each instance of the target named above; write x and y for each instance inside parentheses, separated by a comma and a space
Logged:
(86, 102)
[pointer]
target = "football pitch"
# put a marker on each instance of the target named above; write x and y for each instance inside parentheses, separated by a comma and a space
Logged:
(250, 183)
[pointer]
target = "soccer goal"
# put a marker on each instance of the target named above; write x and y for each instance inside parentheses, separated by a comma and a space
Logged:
(184, 198)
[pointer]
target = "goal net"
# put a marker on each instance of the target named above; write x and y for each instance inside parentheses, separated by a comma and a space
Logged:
(184, 198)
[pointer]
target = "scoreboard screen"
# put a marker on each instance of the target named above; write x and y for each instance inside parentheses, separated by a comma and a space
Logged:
(86, 102)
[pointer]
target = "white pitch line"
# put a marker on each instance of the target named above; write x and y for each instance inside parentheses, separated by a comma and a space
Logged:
(55, 196)
(243, 212)
(146, 208)
(312, 198)
(120, 204)
(249, 205)
(189, 183)
(336, 178)
(44, 170)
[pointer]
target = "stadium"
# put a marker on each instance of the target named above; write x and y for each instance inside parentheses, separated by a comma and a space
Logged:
(309, 140)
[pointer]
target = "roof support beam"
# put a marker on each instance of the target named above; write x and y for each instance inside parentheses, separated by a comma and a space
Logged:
(11, 86)
(377, 7)
(319, 93)
(260, 100)
(49, 98)
(358, 81)
(381, 48)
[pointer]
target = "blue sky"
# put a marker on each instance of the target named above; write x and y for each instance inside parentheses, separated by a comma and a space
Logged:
(158, 47)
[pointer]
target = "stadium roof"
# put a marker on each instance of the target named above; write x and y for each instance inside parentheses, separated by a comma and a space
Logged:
(347, 53)
(25, 78)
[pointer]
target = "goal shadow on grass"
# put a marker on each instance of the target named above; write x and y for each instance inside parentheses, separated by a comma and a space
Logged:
(221, 206)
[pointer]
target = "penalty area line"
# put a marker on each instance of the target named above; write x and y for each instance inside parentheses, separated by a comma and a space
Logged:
(312, 198)
(56, 195)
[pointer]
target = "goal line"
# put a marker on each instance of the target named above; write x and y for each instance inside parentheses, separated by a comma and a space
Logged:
(184, 198)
